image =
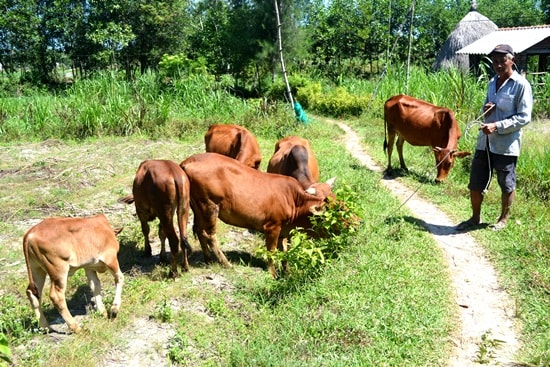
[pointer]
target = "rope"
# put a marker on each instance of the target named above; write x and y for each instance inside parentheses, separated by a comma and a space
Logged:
(421, 184)
(473, 122)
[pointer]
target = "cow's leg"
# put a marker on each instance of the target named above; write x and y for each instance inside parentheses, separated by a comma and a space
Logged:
(391, 142)
(57, 295)
(95, 286)
(114, 268)
(271, 243)
(34, 294)
(213, 243)
(162, 235)
(400, 142)
(167, 224)
(198, 231)
(145, 230)
(206, 232)
(283, 246)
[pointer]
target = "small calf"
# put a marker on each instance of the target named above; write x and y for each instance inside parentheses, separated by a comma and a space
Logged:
(57, 247)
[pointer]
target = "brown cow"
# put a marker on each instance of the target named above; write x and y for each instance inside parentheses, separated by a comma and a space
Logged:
(293, 157)
(161, 188)
(57, 247)
(422, 124)
(234, 141)
(241, 196)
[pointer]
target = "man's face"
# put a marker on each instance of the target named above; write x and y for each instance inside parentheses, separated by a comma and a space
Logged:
(502, 63)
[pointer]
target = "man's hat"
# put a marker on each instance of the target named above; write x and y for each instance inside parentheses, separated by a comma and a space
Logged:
(502, 49)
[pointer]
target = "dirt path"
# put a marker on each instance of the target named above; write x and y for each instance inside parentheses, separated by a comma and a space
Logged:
(485, 309)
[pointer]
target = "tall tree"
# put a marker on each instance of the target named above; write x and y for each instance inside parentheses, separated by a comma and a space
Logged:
(209, 27)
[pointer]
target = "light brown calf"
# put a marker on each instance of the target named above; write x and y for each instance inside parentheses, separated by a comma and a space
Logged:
(57, 247)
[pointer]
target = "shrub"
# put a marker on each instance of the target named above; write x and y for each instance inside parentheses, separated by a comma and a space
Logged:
(5, 352)
(336, 224)
(337, 102)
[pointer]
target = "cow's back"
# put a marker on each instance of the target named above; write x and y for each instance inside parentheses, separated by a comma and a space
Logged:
(245, 197)
(233, 141)
(294, 157)
(159, 182)
(221, 177)
(420, 123)
(76, 240)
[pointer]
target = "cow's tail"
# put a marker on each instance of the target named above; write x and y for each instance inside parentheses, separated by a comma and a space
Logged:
(128, 199)
(385, 133)
(195, 231)
(32, 288)
(182, 197)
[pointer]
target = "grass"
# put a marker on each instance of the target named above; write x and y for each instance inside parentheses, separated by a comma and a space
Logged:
(382, 317)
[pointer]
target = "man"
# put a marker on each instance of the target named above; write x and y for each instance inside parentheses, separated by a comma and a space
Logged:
(507, 109)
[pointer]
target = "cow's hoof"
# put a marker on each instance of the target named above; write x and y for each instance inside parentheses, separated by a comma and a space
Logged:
(114, 312)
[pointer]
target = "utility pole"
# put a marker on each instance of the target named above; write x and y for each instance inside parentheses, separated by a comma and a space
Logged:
(280, 42)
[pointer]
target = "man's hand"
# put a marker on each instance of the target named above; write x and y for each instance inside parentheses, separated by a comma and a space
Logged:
(488, 128)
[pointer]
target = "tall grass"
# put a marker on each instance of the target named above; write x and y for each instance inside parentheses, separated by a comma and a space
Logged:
(110, 105)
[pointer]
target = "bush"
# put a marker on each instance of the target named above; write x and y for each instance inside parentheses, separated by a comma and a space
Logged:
(305, 255)
(5, 352)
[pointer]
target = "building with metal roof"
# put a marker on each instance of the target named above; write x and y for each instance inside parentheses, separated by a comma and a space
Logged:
(527, 42)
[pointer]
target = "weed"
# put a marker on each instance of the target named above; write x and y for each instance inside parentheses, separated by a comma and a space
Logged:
(5, 352)
(336, 224)
(216, 306)
(178, 349)
(163, 312)
(16, 319)
(486, 348)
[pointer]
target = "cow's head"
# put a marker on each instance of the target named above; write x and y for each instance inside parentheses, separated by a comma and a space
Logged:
(445, 159)
(322, 189)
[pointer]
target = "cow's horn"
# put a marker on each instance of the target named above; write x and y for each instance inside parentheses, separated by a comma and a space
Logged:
(311, 190)
(331, 181)
(439, 149)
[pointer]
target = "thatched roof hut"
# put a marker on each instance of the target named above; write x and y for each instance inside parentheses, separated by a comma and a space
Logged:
(471, 28)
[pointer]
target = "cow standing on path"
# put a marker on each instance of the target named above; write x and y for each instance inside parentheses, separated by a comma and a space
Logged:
(234, 141)
(273, 204)
(421, 124)
(294, 157)
(57, 247)
(161, 189)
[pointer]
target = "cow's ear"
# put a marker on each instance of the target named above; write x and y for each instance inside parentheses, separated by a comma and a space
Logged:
(317, 209)
(311, 190)
(331, 181)
(461, 154)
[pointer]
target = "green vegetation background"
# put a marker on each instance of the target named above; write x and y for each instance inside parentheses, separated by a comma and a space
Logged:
(394, 312)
